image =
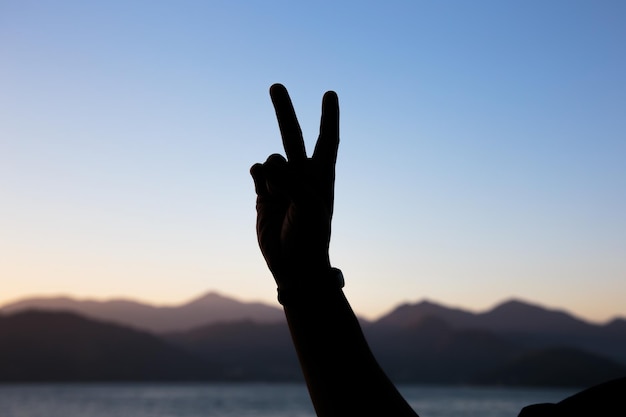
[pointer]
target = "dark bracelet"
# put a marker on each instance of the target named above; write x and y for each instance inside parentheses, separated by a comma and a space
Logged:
(290, 295)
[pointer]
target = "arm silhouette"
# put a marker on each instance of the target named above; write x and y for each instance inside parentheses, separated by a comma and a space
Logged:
(294, 205)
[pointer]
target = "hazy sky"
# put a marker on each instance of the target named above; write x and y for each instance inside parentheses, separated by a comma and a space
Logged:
(482, 155)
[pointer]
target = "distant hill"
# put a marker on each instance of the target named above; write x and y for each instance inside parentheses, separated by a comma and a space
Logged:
(555, 367)
(430, 352)
(522, 323)
(209, 308)
(510, 316)
(516, 342)
(245, 349)
(61, 346)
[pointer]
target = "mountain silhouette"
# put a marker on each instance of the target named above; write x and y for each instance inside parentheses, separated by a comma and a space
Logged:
(209, 308)
(511, 316)
(432, 351)
(556, 367)
(617, 325)
(62, 346)
(421, 342)
(246, 349)
(410, 314)
(525, 324)
(516, 316)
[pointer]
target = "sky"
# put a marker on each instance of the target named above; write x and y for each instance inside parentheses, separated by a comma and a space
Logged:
(482, 154)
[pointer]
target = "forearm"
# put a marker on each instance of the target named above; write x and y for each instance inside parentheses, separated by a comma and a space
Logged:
(342, 375)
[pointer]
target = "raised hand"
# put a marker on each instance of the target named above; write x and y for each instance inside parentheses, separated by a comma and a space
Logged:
(294, 212)
(295, 196)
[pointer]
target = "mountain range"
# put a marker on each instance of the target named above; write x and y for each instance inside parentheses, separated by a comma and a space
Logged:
(208, 308)
(219, 338)
(527, 324)
(37, 346)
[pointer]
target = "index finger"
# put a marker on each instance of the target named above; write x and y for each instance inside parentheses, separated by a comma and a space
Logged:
(290, 131)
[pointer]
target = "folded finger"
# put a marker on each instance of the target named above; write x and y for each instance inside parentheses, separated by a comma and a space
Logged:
(258, 176)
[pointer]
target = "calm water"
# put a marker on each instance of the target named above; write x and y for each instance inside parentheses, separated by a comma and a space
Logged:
(242, 400)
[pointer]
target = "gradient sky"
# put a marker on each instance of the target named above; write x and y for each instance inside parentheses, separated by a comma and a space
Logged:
(482, 155)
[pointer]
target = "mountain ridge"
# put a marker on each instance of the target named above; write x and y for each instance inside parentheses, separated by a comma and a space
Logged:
(64, 346)
(213, 296)
(208, 307)
(529, 324)
(429, 350)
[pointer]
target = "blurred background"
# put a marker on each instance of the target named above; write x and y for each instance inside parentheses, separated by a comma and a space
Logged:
(481, 158)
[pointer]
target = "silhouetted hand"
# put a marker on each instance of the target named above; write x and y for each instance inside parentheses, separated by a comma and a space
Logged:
(294, 213)
(295, 196)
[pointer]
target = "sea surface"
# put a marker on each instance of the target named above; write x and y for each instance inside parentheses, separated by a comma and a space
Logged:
(245, 399)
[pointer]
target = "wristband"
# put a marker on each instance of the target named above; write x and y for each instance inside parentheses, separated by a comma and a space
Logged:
(323, 285)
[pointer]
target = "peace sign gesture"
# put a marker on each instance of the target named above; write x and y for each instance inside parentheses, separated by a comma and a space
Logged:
(294, 211)
(295, 196)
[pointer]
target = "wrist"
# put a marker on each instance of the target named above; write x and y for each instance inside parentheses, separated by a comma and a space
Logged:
(311, 287)
(301, 272)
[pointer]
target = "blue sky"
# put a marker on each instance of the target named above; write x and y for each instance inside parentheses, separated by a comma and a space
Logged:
(481, 158)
